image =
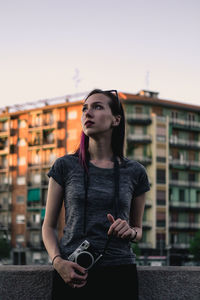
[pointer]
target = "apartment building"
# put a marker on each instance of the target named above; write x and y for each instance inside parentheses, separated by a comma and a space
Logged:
(162, 135)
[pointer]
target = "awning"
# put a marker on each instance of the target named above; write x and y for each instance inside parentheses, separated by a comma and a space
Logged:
(42, 213)
(34, 195)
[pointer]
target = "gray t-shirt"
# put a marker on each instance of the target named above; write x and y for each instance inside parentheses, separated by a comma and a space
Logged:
(133, 182)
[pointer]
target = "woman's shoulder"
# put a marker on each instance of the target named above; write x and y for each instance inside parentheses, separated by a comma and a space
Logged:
(69, 160)
(127, 162)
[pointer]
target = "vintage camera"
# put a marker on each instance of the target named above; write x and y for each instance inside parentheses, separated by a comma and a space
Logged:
(85, 255)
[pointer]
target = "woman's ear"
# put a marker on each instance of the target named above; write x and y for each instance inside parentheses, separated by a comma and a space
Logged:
(116, 120)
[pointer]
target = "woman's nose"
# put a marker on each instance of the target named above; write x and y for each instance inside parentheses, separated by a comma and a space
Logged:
(89, 112)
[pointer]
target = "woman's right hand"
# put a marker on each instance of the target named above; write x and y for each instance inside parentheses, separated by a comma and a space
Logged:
(72, 273)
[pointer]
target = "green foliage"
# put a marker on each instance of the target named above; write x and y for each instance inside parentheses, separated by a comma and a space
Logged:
(195, 247)
(4, 248)
(136, 249)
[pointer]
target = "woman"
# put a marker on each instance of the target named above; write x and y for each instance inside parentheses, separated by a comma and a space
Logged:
(104, 198)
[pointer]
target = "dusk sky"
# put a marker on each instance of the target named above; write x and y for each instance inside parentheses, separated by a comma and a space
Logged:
(52, 48)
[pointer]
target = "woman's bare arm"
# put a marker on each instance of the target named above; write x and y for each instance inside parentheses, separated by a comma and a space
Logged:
(68, 270)
(53, 207)
(136, 215)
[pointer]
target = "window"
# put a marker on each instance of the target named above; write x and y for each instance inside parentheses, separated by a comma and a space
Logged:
(72, 115)
(161, 154)
(191, 177)
(21, 161)
(21, 142)
(181, 195)
(20, 199)
(160, 240)
(174, 175)
(20, 238)
(138, 110)
(21, 180)
(22, 124)
(174, 114)
(160, 219)
(20, 219)
(138, 130)
(72, 134)
(160, 176)
(161, 197)
(198, 196)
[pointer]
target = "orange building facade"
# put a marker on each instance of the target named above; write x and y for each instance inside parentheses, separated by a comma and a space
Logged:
(30, 141)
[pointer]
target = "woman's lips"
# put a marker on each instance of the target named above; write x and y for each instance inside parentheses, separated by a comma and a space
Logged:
(89, 124)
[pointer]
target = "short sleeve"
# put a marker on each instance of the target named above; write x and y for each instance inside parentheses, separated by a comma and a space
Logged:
(56, 172)
(143, 185)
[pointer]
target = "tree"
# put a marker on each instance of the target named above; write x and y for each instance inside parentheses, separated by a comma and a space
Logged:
(195, 247)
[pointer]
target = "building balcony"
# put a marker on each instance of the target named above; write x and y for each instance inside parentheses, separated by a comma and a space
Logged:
(139, 138)
(180, 245)
(184, 183)
(4, 133)
(33, 225)
(182, 163)
(184, 143)
(138, 118)
(35, 245)
(142, 159)
(184, 225)
(147, 224)
(5, 187)
(145, 245)
(5, 226)
(184, 205)
(148, 202)
(4, 150)
(185, 124)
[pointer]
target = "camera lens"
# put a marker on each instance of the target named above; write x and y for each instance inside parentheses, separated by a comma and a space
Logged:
(85, 259)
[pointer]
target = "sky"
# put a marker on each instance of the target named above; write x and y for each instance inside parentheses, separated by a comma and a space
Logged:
(52, 48)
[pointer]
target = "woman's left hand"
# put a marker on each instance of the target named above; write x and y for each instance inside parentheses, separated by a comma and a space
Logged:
(120, 228)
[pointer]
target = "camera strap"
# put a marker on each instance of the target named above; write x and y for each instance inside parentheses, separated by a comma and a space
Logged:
(115, 197)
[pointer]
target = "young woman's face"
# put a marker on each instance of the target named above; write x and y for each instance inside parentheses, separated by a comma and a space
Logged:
(97, 117)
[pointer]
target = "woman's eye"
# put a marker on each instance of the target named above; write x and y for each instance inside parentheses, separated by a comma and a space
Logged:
(98, 107)
(84, 109)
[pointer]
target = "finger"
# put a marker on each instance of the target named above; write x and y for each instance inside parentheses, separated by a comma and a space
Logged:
(113, 226)
(123, 231)
(120, 225)
(110, 218)
(79, 270)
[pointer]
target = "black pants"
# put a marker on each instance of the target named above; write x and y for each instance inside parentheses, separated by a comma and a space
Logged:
(101, 282)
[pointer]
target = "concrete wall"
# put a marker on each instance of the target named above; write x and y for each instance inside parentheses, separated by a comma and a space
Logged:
(155, 283)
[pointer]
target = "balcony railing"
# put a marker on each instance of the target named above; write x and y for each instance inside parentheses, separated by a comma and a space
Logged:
(184, 163)
(147, 223)
(142, 159)
(185, 183)
(180, 245)
(187, 205)
(139, 138)
(185, 123)
(184, 225)
(174, 140)
(138, 118)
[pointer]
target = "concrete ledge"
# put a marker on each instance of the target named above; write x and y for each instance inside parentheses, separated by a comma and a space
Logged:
(155, 283)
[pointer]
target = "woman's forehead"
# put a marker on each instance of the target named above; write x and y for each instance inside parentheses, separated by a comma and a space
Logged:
(97, 98)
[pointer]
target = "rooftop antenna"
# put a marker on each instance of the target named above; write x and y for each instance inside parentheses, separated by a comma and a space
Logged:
(147, 80)
(76, 78)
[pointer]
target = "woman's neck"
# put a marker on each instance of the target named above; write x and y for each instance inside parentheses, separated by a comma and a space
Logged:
(100, 150)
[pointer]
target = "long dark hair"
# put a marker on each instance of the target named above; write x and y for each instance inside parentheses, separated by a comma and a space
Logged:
(118, 134)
